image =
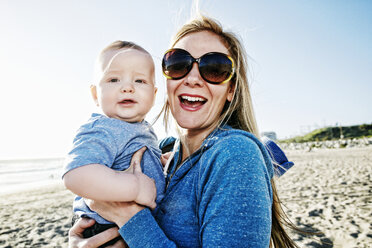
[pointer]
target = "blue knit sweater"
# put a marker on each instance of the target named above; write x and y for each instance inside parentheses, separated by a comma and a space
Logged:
(219, 197)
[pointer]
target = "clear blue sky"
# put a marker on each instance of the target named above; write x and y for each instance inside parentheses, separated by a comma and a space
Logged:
(311, 62)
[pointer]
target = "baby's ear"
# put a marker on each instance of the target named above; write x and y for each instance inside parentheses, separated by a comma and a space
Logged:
(93, 91)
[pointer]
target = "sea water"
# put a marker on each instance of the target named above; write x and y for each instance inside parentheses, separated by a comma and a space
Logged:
(21, 174)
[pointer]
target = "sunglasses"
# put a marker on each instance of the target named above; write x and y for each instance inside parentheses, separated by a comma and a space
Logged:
(214, 67)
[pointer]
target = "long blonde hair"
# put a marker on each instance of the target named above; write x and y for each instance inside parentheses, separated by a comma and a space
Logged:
(239, 112)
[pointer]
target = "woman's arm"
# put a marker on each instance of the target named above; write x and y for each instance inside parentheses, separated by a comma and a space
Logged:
(98, 182)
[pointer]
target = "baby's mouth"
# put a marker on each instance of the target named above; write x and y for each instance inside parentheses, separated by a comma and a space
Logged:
(127, 101)
(191, 101)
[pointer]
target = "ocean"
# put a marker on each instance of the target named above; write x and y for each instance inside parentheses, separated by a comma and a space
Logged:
(21, 174)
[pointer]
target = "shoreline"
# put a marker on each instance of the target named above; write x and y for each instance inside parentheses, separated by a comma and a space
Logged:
(19, 174)
(30, 187)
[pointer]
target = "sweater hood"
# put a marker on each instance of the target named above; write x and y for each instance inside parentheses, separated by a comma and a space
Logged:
(226, 130)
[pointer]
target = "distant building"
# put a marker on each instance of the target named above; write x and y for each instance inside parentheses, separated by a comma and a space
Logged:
(270, 135)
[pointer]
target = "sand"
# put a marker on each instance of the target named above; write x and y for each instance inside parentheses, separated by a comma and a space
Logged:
(327, 191)
(36, 218)
(330, 191)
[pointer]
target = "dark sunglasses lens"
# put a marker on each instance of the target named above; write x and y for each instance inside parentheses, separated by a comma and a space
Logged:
(215, 68)
(176, 63)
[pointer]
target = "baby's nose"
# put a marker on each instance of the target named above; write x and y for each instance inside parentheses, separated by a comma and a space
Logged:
(127, 87)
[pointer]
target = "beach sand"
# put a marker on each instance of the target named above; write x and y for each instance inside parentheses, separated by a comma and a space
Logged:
(36, 218)
(327, 191)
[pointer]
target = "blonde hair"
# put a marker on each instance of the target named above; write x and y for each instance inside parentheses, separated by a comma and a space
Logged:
(239, 112)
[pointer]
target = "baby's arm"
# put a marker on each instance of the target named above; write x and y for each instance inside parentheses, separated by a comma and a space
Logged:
(98, 182)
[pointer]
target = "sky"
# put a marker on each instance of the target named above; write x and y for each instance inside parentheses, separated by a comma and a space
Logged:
(310, 62)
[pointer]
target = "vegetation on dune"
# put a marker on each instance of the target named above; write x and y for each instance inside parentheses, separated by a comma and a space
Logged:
(334, 133)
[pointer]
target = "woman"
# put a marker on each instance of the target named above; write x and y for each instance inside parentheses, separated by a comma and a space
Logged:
(220, 190)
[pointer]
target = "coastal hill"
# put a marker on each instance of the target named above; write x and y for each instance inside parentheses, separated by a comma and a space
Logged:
(333, 133)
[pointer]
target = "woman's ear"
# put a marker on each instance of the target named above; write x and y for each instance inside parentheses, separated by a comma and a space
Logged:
(231, 92)
(93, 91)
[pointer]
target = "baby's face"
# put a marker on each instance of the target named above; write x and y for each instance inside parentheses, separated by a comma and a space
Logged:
(126, 90)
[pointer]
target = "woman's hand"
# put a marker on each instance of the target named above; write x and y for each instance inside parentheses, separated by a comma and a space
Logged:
(146, 186)
(164, 158)
(76, 239)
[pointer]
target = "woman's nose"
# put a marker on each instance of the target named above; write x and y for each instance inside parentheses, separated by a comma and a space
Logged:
(193, 78)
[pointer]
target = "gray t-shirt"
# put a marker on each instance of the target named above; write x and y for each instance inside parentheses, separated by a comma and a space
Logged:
(112, 142)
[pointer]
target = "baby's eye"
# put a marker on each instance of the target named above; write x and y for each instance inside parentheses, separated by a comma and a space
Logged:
(140, 81)
(113, 80)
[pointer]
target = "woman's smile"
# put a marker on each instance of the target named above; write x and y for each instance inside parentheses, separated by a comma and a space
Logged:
(191, 102)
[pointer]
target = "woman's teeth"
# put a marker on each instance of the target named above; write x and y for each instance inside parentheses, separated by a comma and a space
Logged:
(192, 99)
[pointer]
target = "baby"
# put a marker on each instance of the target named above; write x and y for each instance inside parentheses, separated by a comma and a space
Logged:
(98, 166)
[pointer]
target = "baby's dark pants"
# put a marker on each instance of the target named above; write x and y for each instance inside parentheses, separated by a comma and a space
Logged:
(95, 229)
